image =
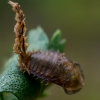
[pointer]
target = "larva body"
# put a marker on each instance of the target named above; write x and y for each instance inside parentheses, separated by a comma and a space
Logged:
(56, 68)
(49, 66)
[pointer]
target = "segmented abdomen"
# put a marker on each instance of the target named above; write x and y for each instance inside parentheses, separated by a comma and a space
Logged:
(50, 66)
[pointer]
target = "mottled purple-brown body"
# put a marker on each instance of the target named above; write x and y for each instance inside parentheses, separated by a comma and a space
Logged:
(56, 68)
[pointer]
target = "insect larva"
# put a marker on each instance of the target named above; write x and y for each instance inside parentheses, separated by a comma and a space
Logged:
(50, 66)
(56, 68)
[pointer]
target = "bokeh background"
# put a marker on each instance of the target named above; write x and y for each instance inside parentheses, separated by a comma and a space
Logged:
(79, 21)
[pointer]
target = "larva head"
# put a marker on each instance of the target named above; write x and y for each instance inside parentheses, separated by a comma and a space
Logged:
(75, 81)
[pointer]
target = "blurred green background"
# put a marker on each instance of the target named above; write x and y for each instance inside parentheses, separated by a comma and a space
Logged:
(79, 21)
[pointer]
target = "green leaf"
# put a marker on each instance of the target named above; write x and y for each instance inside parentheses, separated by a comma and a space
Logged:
(56, 37)
(56, 43)
(14, 81)
(61, 45)
(38, 40)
